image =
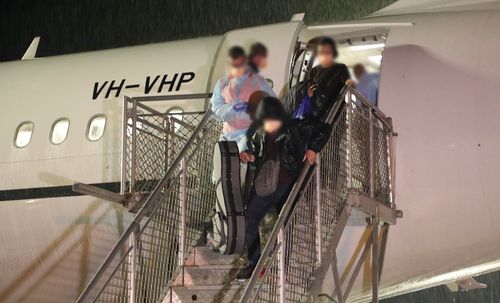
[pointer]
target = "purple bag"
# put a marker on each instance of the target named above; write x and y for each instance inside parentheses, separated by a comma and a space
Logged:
(305, 109)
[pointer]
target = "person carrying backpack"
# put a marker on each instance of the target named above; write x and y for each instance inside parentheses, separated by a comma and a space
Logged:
(278, 148)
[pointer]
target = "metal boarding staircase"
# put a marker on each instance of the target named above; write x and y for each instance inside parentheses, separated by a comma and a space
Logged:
(166, 177)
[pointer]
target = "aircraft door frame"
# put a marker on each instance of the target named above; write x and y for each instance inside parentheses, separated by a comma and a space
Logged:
(280, 39)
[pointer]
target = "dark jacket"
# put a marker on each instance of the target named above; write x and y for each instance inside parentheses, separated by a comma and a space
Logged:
(296, 137)
(330, 82)
(295, 95)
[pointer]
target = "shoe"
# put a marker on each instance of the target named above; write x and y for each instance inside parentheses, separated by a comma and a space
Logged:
(245, 273)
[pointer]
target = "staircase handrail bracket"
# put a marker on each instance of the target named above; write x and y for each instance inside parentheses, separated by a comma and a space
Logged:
(373, 208)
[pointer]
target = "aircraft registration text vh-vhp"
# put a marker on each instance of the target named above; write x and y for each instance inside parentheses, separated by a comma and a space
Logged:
(158, 84)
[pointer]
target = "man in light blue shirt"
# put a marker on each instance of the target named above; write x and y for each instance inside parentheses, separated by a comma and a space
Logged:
(232, 94)
(367, 83)
(231, 103)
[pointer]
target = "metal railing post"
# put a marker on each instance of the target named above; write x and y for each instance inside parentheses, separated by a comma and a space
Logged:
(349, 137)
(375, 261)
(282, 264)
(172, 139)
(319, 230)
(182, 200)
(372, 154)
(123, 179)
(134, 240)
(133, 160)
(392, 161)
(167, 142)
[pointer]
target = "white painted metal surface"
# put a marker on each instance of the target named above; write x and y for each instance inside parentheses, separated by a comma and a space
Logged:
(51, 247)
(47, 89)
(278, 38)
(439, 83)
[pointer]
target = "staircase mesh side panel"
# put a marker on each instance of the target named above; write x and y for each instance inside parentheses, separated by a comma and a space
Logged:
(383, 191)
(360, 150)
(159, 138)
(159, 241)
(333, 175)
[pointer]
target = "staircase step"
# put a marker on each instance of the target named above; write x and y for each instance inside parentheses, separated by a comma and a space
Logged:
(205, 255)
(206, 294)
(207, 275)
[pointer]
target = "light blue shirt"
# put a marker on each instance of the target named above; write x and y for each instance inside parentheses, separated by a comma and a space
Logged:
(368, 87)
(231, 91)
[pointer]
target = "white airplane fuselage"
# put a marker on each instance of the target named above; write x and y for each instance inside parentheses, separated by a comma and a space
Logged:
(439, 80)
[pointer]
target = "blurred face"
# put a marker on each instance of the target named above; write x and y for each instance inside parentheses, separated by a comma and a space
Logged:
(237, 66)
(272, 125)
(359, 72)
(260, 61)
(325, 55)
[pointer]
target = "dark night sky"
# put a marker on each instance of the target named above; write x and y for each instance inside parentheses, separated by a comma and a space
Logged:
(68, 26)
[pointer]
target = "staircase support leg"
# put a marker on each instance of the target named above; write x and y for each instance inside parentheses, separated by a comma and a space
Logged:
(375, 262)
(357, 268)
(336, 279)
(383, 244)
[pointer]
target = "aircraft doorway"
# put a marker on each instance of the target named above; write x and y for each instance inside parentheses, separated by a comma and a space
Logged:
(354, 49)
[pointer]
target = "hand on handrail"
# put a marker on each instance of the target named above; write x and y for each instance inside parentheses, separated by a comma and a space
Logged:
(310, 156)
(350, 83)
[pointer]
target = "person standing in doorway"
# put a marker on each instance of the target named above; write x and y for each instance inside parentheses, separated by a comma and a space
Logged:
(317, 95)
(258, 57)
(367, 83)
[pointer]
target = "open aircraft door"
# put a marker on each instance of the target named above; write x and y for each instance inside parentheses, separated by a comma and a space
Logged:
(280, 41)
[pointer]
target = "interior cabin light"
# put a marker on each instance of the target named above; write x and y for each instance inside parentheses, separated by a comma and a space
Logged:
(366, 46)
(377, 59)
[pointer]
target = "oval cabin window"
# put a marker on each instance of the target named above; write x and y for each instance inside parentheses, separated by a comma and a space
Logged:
(96, 127)
(59, 131)
(23, 134)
